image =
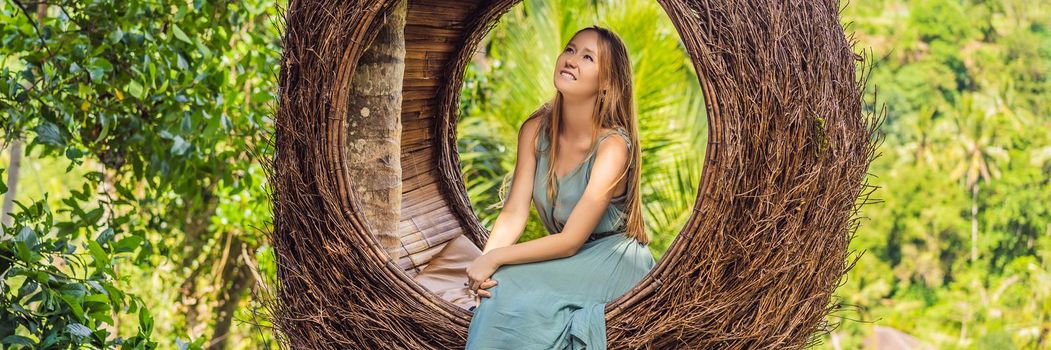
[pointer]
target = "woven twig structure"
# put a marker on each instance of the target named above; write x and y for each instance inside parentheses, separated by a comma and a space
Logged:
(754, 267)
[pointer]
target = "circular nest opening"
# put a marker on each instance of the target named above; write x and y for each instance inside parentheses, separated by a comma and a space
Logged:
(755, 266)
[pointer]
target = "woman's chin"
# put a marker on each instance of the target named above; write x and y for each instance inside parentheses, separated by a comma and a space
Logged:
(564, 88)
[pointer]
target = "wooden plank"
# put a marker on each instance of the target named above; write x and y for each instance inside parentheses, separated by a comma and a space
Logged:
(438, 34)
(437, 22)
(423, 204)
(431, 84)
(415, 124)
(413, 99)
(418, 181)
(417, 162)
(417, 136)
(418, 94)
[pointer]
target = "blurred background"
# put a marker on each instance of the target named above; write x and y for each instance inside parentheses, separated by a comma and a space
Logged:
(133, 134)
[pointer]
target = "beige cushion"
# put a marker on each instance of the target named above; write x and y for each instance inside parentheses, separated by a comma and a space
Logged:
(446, 272)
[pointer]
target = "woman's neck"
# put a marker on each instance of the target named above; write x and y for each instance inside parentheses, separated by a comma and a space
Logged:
(577, 117)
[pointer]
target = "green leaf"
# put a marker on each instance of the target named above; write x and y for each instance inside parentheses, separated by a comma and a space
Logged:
(102, 315)
(51, 339)
(127, 244)
(42, 277)
(179, 34)
(74, 153)
(27, 235)
(93, 216)
(180, 146)
(97, 298)
(101, 259)
(105, 236)
(17, 340)
(225, 122)
(97, 286)
(49, 134)
(95, 73)
(79, 330)
(145, 321)
(97, 68)
(28, 287)
(95, 176)
(136, 89)
(152, 68)
(180, 62)
(23, 252)
(74, 305)
(106, 122)
(207, 53)
(115, 35)
(115, 295)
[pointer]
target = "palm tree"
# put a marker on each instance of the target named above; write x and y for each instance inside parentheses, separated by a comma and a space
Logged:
(978, 153)
(669, 102)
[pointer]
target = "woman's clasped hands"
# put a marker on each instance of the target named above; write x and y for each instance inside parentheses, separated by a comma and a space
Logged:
(478, 276)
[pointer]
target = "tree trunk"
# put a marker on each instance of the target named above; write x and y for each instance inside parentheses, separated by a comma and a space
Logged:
(374, 134)
(14, 169)
(974, 222)
(236, 278)
(195, 258)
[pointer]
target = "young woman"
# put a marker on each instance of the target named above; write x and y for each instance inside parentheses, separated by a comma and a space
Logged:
(578, 163)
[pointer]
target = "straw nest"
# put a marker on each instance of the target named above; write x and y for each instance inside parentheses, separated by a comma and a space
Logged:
(754, 267)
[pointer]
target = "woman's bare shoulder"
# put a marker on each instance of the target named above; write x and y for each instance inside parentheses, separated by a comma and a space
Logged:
(529, 127)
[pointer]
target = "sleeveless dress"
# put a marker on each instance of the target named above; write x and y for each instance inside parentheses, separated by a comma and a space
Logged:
(560, 303)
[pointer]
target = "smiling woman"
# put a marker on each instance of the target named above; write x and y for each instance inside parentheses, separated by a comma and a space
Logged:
(551, 292)
(753, 267)
(507, 81)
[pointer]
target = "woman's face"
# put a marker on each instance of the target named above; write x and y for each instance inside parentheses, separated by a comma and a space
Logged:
(576, 70)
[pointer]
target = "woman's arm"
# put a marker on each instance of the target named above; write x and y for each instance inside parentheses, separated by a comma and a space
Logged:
(512, 219)
(610, 162)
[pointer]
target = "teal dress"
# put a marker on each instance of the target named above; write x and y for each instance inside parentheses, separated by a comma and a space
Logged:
(560, 303)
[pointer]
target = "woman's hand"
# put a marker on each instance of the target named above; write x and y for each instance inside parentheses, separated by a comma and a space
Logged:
(482, 292)
(480, 270)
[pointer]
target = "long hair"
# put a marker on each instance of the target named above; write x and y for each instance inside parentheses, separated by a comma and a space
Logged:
(615, 107)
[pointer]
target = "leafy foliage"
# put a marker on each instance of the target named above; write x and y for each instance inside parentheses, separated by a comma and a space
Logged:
(66, 285)
(958, 252)
(164, 105)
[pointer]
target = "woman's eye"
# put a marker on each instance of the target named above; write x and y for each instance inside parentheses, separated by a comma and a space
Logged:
(589, 58)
